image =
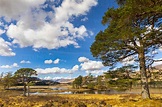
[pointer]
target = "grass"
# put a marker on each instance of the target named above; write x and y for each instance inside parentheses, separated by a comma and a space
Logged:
(10, 98)
(49, 89)
(82, 100)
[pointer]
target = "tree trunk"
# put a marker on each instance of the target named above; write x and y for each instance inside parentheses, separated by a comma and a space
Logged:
(28, 90)
(144, 79)
(24, 89)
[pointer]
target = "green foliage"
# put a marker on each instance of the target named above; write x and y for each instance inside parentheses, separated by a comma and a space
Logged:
(101, 83)
(1, 78)
(24, 74)
(120, 78)
(134, 29)
(121, 2)
(126, 32)
(77, 83)
(8, 80)
(91, 85)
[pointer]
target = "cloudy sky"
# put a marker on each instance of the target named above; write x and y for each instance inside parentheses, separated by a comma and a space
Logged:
(51, 36)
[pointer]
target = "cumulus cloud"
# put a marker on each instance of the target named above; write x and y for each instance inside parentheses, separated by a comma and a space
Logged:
(50, 29)
(75, 68)
(56, 70)
(129, 60)
(84, 19)
(56, 61)
(89, 66)
(14, 65)
(160, 49)
(55, 78)
(5, 49)
(25, 62)
(2, 31)
(12, 10)
(48, 78)
(48, 61)
(92, 65)
(157, 62)
(97, 72)
(83, 59)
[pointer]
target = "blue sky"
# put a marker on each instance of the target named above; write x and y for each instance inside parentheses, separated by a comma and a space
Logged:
(51, 36)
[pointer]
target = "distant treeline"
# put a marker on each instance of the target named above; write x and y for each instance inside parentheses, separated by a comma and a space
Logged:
(39, 82)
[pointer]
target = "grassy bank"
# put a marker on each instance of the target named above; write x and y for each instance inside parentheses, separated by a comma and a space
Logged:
(13, 98)
(86, 100)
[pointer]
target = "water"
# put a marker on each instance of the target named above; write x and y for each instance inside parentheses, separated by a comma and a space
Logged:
(82, 92)
(133, 91)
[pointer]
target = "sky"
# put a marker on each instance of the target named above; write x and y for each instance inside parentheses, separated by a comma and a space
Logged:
(51, 36)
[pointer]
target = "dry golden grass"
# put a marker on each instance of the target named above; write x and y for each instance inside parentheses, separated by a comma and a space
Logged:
(82, 100)
(10, 98)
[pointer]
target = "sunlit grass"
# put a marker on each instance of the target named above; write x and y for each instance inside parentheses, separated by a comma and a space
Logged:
(9, 98)
(82, 100)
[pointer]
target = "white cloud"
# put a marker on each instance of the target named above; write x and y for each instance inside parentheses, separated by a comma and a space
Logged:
(1, 23)
(48, 78)
(84, 19)
(89, 66)
(83, 59)
(25, 62)
(5, 50)
(12, 10)
(55, 78)
(56, 61)
(33, 29)
(70, 8)
(55, 70)
(2, 31)
(48, 61)
(97, 72)
(154, 52)
(14, 65)
(6, 66)
(92, 65)
(160, 48)
(129, 60)
(157, 62)
(75, 68)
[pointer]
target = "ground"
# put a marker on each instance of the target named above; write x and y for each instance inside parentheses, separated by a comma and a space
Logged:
(82, 100)
(13, 98)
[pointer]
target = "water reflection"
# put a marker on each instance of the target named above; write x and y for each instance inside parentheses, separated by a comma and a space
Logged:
(99, 92)
(83, 92)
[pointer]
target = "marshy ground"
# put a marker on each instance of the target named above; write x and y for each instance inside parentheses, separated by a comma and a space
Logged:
(82, 100)
(12, 98)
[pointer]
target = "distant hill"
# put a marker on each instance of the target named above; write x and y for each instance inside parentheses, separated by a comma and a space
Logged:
(62, 80)
(37, 81)
(158, 66)
(46, 82)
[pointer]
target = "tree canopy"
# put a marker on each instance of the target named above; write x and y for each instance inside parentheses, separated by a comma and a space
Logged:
(8, 80)
(78, 82)
(134, 30)
(23, 74)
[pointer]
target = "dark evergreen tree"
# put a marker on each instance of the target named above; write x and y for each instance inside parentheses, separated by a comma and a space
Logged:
(8, 80)
(24, 75)
(77, 83)
(134, 29)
